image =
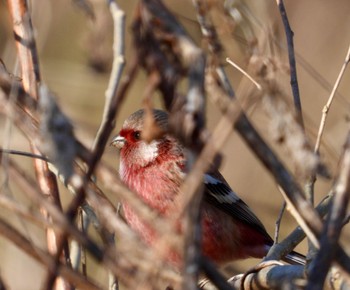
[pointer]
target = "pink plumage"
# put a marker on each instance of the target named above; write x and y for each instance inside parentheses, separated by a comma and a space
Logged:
(155, 171)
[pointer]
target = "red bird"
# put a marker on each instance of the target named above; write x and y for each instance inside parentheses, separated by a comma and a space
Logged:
(155, 171)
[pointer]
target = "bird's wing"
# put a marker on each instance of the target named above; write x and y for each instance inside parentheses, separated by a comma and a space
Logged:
(220, 195)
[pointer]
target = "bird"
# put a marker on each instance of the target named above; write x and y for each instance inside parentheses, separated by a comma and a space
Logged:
(155, 170)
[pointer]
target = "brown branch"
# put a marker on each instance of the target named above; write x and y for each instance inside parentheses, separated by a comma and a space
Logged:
(332, 229)
(144, 261)
(164, 46)
(106, 212)
(278, 223)
(26, 46)
(215, 46)
(308, 216)
(82, 180)
(113, 103)
(214, 275)
(127, 267)
(109, 177)
(293, 239)
(156, 27)
(326, 108)
(270, 276)
(285, 130)
(28, 59)
(44, 258)
(60, 221)
(118, 16)
(330, 100)
(207, 27)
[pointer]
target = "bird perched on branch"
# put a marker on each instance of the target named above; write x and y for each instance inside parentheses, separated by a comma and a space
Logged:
(155, 171)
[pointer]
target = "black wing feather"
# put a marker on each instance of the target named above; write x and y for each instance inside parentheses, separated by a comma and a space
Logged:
(222, 197)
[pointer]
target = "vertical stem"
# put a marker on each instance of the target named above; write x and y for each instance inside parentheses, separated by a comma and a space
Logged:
(319, 267)
(330, 100)
(292, 62)
(30, 73)
(26, 46)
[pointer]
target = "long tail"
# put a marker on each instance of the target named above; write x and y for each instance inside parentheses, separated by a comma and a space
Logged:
(295, 258)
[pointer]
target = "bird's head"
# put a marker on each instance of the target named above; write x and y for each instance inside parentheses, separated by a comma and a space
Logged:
(134, 149)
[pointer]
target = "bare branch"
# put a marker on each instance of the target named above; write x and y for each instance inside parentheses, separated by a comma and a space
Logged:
(278, 222)
(310, 220)
(332, 229)
(270, 276)
(330, 100)
(292, 240)
(57, 136)
(118, 16)
(28, 59)
(26, 46)
(44, 258)
(292, 64)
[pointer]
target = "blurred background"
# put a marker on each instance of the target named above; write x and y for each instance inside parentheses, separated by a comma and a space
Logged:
(75, 54)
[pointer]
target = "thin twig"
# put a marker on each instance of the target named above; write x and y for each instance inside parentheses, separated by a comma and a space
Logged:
(215, 46)
(282, 176)
(292, 63)
(326, 108)
(112, 103)
(289, 243)
(22, 153)
(108, 176)
(236, 66)
(107, 216)
(300, 218)
(44, 258)
(330, 100)
(214, 275)
(310, 221)
(34, 194)
(29, 62)
(26, 45)
(84, 224)
(278, 222)
(22, 211)
(187, 119)
(118, 16)
(332, 229)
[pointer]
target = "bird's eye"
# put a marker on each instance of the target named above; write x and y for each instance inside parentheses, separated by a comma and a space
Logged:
(137, 135)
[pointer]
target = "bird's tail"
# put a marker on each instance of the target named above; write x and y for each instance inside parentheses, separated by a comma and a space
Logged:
(295, 258)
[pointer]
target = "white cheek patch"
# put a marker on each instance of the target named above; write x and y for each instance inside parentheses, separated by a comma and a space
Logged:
(149, 152)
(220, 190)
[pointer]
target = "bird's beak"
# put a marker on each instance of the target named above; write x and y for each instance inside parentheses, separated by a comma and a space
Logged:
(118, 141)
